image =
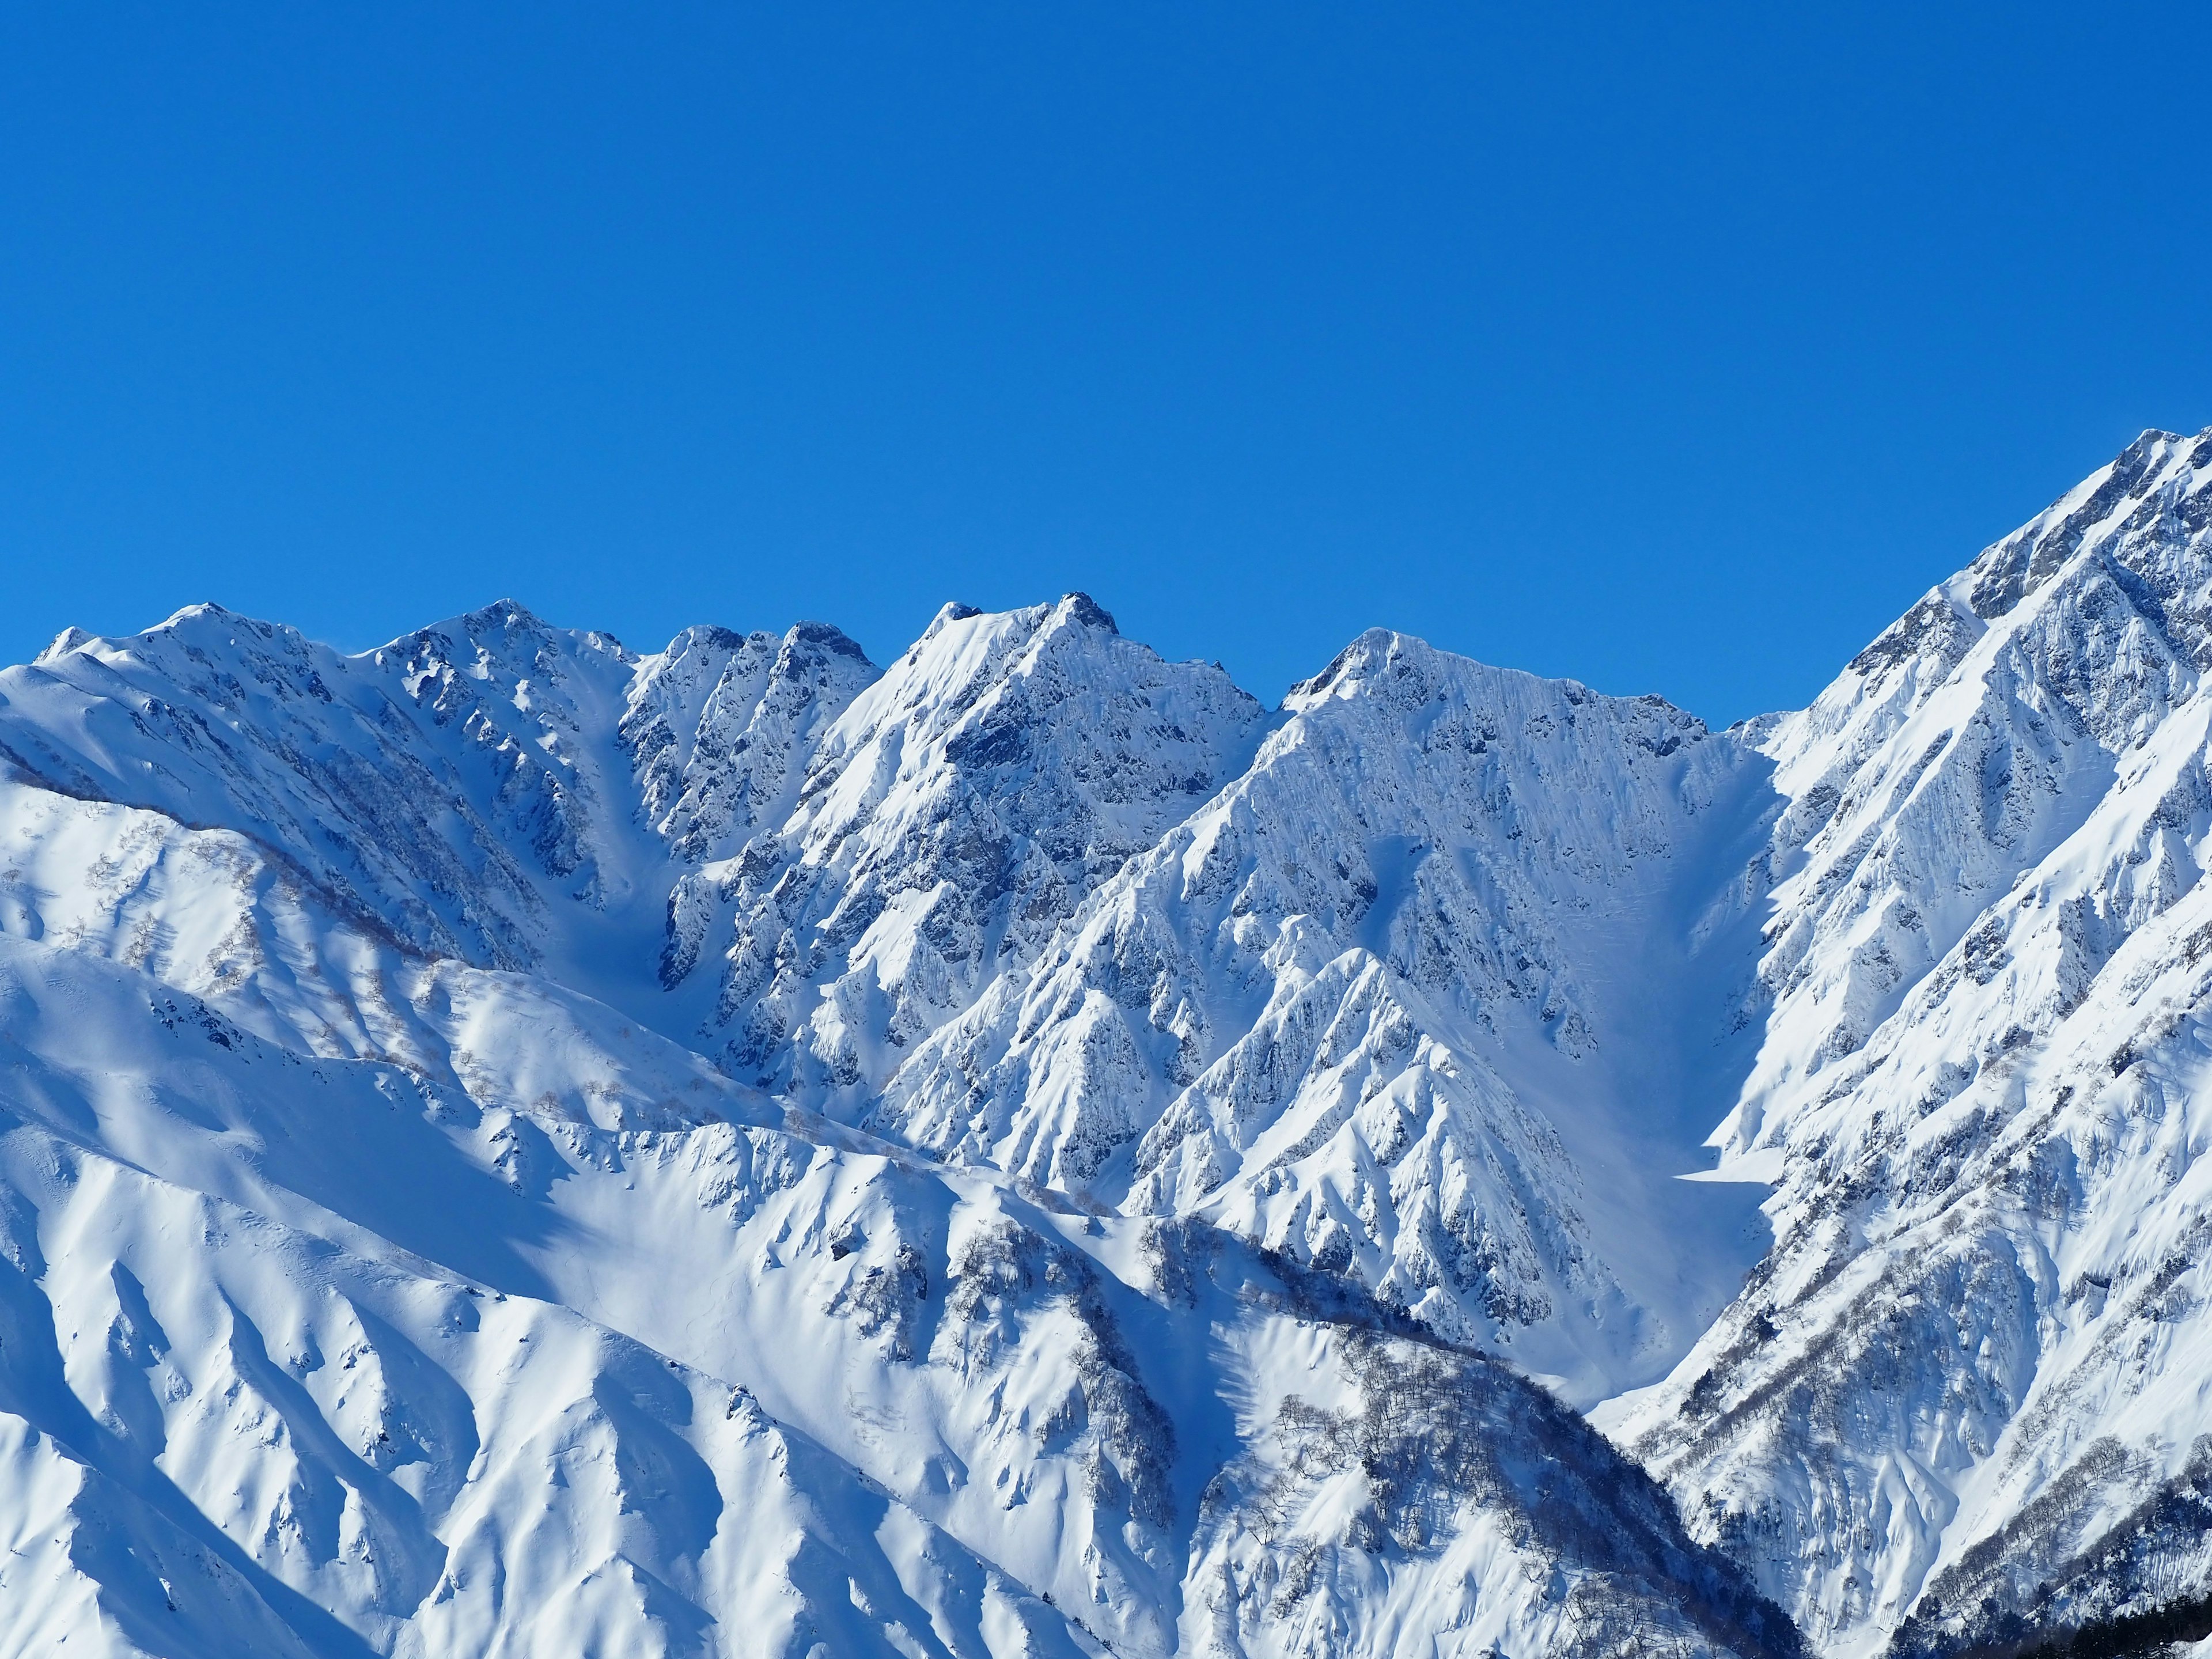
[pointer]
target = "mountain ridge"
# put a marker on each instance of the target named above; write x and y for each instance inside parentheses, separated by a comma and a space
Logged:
(962, 1017)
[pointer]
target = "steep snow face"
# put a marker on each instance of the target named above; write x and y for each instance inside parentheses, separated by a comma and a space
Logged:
(1460, 946)
(1967, 1386)
(339, 1354)
(722, 726)
(960, 808)
(1400, 1013)
(490, 788)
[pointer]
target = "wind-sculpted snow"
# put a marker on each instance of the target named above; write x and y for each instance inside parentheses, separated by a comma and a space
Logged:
(1974, 1361)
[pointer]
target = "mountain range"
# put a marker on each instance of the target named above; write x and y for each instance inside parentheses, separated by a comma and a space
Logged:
(512, 1146)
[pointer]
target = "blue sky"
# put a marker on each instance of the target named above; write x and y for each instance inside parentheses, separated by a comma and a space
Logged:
(1674, 352)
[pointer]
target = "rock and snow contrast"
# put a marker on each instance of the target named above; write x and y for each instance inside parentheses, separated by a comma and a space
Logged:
(512, 1146)
(1969, 1390)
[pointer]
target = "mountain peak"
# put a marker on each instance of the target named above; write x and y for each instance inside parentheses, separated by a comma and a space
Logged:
(503, 613)
(951, 611)
(825, 637)
(69, 638)
(2105, 505)
(1082, 608)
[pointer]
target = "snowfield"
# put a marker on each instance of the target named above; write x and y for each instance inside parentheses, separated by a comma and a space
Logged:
(512, 1146)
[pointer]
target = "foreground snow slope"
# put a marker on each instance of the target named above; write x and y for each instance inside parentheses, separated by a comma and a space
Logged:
(496, 1323)
(1972, 1385)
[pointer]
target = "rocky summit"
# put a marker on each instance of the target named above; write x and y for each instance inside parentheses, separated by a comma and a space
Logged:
(509, 1145)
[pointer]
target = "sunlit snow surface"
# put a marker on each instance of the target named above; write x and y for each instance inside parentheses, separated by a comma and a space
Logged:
(511, 1147)
(1973, 1379)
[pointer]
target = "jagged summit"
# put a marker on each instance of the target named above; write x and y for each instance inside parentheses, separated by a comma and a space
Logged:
(1088, 612)
(502, 1305)
(1966, 1372)
(2119, 498)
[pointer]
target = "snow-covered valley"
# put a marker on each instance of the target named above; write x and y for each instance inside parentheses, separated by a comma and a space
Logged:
(510, 1146)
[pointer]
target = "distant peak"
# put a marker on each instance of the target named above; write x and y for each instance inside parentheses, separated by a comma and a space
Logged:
(948, 613)
(827, 637)
(1082, 608)
(205, 608)
(2008, 571)
(1373, 643)
(65, 642)
(504, 613)
(709, 635)
(198, 622)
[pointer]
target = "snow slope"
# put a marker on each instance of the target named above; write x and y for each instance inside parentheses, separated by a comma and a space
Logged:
(1970, 1391)
(340, 1356)
(1026, 1150)
(371, 1286)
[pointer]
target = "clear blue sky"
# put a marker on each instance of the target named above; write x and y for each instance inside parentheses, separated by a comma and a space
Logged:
(1677, 348)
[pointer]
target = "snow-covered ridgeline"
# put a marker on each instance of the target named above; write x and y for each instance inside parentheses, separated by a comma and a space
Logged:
(1977, 1354)
(1433, 979)
(1394, 1020)
(1387, 1002)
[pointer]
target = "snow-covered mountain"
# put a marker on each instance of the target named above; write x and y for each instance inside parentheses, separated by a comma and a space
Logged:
(1384, 1003)
(1970, 1390)
(511, 1145)
(387, 1278)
